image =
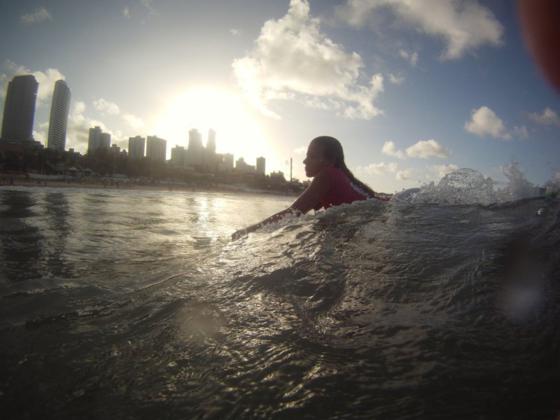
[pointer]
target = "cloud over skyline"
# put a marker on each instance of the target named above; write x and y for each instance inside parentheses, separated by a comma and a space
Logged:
(464, 26)
(293, 59)
(423, 149)
(106, 107)
(547, 117)
(38, 15)
(46, 79)
(485, 123)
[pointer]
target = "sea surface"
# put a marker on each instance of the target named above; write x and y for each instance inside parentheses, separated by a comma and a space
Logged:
(122, 304)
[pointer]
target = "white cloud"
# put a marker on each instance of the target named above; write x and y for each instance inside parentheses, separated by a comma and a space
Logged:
(106, 107)
(411, 57)
(78, 129)
(378, 168)
(396, 79)
(463, 25)
(36, 16)
(442, 170)
(425, 149)
(133, 121)
(79, 125)
(40, 133)
(547, 117)
(46, 79)
(126, 12)
(422, 149)
(293, 59)
(390, 149)
(403, 175)
(485, 122)
(234, 31)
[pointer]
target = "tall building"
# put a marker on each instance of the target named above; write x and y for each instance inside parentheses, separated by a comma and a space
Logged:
(59, 116)
(211, 143)
(195, 140)
(19, 109)
(136, 147)
(105, 141)
(98, 139)
(261, 165)
(178, 154)
(225, 162)
(156, 148)
(242, 167)
(195, 152)
(228, 161)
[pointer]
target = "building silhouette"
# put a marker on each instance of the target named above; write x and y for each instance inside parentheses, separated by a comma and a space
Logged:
(225, 162)
(59, 116)
(136, 147)
(195, 152)
(211, 143)
(98, 140)
(178, 156)
(261, 165)
(19, 109)
(156, 148)
(243, 167)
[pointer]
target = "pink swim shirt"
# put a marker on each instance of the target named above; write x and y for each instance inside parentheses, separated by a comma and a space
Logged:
(341, 190)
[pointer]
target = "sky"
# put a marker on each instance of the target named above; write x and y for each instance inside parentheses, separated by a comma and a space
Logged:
(412, 89)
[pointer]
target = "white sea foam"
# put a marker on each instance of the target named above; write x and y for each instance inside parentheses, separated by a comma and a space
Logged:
(468, 186)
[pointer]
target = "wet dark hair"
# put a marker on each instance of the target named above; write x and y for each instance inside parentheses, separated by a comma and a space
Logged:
(332, 151)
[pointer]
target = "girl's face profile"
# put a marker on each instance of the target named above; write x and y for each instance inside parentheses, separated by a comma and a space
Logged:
(314, 160)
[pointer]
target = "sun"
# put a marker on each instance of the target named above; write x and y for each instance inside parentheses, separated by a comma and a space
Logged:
(203, 107)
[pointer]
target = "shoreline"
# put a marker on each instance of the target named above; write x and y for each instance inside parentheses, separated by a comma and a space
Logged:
(126, 185)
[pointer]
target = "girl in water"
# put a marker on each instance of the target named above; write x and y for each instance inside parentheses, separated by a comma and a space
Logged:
(333, 183)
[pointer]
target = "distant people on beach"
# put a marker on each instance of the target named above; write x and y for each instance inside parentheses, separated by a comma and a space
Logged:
(333, 183)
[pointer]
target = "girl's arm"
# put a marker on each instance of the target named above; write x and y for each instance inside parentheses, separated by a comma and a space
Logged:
(308, 200)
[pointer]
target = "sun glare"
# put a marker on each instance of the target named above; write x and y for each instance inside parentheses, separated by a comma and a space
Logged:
(204, 108)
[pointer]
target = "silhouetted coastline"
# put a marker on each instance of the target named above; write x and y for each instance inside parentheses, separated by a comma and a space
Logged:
(8, 180)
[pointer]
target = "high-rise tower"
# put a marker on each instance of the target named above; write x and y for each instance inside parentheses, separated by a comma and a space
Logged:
(211, 143)
(156, 148)
(59, 116)
(98, 140)
(136, 147)
(261, 165)
(195, 140)
(19, 109)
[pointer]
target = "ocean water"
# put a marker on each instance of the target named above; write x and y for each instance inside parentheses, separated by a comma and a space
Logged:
(137, 305)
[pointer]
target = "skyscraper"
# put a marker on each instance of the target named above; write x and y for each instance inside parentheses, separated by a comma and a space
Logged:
(211, 143)
(178, 154)
(136, 147)
(93, 139)
(156, 148)
(98, 139)
(195, 140)
(261, 165)
(19, 109)
(59, 116)
(195, 152)
(105, 141)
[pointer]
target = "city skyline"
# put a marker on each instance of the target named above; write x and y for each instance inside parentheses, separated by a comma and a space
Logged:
(18, 127)
(409, 95)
